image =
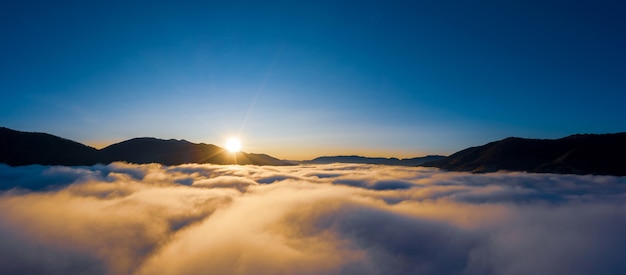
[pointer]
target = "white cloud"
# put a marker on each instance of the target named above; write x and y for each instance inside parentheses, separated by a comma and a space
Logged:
(310, 219)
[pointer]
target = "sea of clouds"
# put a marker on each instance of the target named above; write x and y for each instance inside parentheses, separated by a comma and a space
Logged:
(308, 219)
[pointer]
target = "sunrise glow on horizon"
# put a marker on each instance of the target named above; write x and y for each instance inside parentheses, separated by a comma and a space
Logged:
(233, 145)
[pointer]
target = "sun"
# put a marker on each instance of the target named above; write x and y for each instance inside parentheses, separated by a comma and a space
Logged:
(233, 145)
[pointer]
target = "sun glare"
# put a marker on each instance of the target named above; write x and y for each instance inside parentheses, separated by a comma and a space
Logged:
(233, 145)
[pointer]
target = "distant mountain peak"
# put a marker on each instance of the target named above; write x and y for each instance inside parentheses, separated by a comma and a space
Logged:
(374, 160)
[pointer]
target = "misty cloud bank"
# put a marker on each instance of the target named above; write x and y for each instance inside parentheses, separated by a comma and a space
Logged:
(313, 219)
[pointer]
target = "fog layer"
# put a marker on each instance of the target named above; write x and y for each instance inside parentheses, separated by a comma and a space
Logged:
(310, 219)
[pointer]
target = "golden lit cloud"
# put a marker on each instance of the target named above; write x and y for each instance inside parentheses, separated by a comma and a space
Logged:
(309, 219)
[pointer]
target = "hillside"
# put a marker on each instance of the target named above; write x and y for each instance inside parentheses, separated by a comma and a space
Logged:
(577, 154)
(25, 148)
(368, 160)
(174, 152)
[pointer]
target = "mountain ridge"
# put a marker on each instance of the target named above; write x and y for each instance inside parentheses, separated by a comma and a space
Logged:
(416, 161)
(25, 148)
(598, 154)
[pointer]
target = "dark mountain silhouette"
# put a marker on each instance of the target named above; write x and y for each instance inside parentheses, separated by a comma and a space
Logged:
(25, 148)
(367, 160)
(577, 154)
(173, 152)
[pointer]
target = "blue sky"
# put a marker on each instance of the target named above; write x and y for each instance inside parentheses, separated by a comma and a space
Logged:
(299, 79)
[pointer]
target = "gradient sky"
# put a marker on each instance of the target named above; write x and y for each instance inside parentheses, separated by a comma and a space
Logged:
(299, 80)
